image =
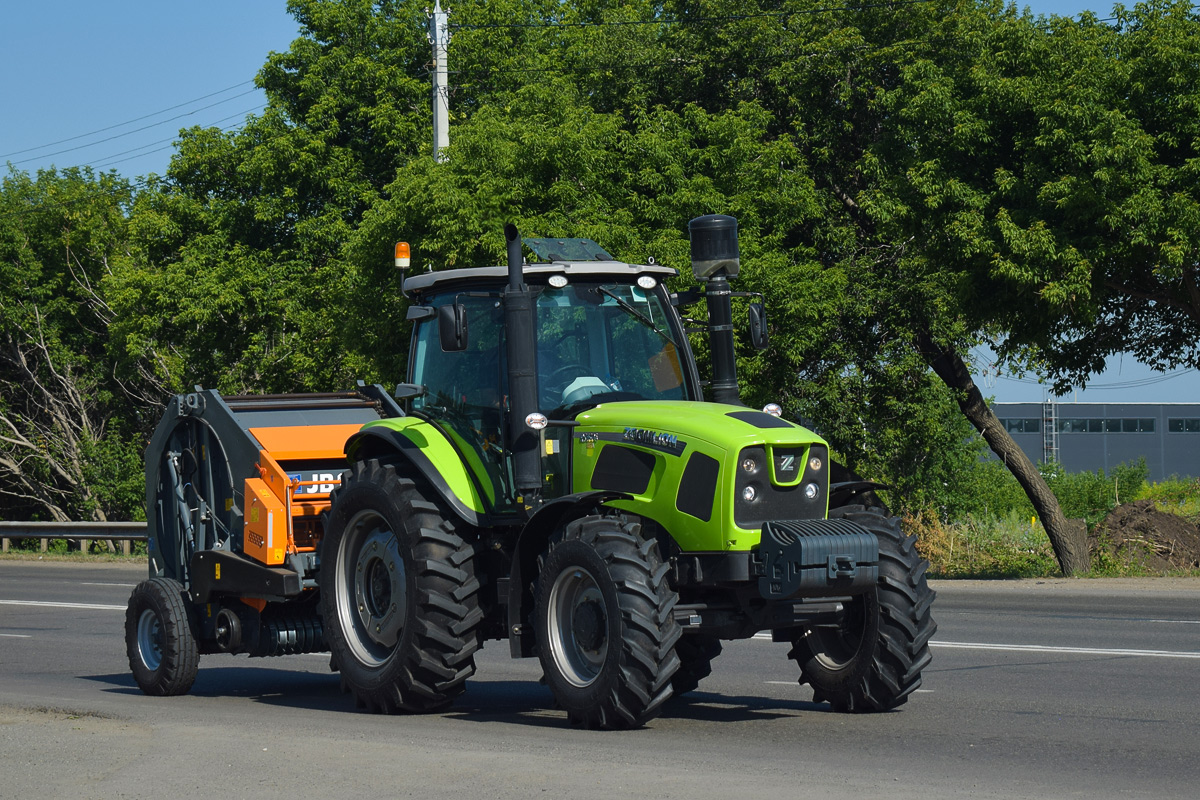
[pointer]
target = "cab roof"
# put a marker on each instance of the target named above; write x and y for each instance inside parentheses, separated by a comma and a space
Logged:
(434, 282)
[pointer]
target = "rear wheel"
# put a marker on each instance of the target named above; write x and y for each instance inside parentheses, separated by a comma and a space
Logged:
(399, 596)
(873, 660)
(160, 639)
(606, 630)
(696, 653)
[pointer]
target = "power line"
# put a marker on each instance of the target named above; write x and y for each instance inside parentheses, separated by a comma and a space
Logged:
(1137, 383)
(991, 371)
(130, 121)
(112, 159)
(136, 130)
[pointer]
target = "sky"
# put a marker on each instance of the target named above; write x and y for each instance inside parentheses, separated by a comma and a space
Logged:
(110, 84)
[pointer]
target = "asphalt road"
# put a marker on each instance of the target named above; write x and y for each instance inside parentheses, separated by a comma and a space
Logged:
(1037, 689)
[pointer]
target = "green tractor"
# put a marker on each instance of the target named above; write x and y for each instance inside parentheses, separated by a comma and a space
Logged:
(551, 475)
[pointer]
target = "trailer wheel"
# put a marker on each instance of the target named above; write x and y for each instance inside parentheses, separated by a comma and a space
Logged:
(605, 626)
(160, 639)
(873, 661)
(696, 653)
(399, 596)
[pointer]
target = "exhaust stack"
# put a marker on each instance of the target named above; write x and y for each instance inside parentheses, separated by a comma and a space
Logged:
(715, 259)
(522, 375)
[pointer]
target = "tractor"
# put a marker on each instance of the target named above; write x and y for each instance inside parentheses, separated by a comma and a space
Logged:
(549, 474)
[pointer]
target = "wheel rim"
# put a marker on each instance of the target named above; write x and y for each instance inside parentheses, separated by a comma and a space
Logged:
(149, 639)
(836, 648)
(371, 588)
(578, 626)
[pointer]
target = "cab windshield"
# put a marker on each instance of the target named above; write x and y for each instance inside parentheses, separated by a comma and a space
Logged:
(602, 342)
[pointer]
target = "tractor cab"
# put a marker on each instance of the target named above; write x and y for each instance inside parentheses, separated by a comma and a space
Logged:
(603, 332)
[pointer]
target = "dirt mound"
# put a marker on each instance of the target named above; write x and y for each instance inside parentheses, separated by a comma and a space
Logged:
(1140, 531)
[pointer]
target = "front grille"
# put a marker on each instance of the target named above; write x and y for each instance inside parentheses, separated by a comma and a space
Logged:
(774, 500)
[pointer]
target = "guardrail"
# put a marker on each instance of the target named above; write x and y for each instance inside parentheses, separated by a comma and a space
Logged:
(83, 532)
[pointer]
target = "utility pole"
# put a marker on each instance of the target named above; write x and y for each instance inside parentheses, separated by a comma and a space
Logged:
(439, 36)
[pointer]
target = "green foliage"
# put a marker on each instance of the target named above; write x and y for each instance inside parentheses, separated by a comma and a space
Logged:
(1175, 496)
(1091, 495)
(113, 468)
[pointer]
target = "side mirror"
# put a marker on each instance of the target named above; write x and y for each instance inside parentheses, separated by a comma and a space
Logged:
(407, 391)
(758, 326)
(452, 327)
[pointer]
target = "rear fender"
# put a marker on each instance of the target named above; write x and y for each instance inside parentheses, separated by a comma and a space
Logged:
(430, 453)
(531, 544)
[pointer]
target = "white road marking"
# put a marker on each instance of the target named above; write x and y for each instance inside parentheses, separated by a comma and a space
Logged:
(17, 635)
(1038, 648)
(1087, 651)
(125, 585)
(47, 604)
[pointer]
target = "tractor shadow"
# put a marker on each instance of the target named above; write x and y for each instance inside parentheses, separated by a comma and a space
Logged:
(530, 703)
(520, 702)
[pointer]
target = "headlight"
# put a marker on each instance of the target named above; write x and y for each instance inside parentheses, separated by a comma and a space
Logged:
(811, 490)
(749, 494)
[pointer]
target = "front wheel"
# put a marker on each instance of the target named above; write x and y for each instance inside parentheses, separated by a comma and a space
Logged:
(873, 660)
(159, 638)
(399, 596)
(606, 629)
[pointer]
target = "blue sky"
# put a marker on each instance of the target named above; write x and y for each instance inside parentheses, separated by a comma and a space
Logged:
(110, 84)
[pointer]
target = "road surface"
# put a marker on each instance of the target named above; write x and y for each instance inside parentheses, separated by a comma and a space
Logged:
(1037, 689)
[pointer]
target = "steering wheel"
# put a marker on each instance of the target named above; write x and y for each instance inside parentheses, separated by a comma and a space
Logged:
(552, 385)
(570, 370)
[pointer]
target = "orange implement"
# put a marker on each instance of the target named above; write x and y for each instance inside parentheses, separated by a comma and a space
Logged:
(305, 442)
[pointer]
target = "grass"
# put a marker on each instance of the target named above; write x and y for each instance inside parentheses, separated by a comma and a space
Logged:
(1179, 496)
(1013, 545)
(27, 549)
(1007, 547)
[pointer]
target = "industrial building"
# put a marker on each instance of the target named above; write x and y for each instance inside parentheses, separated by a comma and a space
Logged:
(1092, 436)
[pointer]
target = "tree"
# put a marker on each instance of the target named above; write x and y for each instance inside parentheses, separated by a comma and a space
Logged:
(66, 449)
(1062, 226)
(1099, 212)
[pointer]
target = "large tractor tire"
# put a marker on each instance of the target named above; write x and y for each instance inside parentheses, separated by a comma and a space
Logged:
(160, 638)
(873, 661)
(399, 596)
(696, 653)
(605, 624)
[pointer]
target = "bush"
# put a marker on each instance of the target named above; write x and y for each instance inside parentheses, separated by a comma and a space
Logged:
(1091, 495)
(1175, 496)
(987, 547)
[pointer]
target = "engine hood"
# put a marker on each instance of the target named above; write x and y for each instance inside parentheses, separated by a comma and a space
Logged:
(726, 426)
